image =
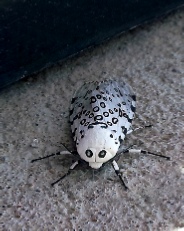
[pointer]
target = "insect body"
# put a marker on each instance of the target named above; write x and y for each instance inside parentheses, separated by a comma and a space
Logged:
(101, 115)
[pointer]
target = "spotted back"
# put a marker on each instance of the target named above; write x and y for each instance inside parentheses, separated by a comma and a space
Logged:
(107, 104)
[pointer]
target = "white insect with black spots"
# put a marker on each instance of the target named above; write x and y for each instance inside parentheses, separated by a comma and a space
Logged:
(101, 115)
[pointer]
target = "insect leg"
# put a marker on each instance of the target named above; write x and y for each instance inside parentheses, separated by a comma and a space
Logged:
(146, 152)
(118, 173)
(135, 129)
(71, 152)
(72, 167)
(53, 154)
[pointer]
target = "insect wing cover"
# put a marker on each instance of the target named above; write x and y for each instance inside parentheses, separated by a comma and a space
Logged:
(101, 114)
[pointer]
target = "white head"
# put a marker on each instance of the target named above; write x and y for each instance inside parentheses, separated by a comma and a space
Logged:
(97, 147)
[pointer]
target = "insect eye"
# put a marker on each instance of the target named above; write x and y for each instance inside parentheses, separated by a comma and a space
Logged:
(89, 153)
(102, 154)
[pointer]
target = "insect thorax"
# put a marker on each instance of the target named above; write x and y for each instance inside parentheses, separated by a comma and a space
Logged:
(97, 146)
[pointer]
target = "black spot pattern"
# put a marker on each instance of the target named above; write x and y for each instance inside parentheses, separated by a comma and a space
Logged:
(120, 139)
(126, 116)
(86, 124)
(76, 117)
(89, 153)
(91, 115)
(97, 102)
(104, 126)
(114, 120)
(102, 154)
(124, 130)
(96, 123)
(111, 111)
(120, 112)
(98, 96)
(129, 120)
(96, 109)
(83, 121)
(79, 115)
(109, 123)
(98, 117)
(102, 104)
(93, 99)
(106, 114)
(120, 94)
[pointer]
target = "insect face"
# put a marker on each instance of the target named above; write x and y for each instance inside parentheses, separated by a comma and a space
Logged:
(96, 147)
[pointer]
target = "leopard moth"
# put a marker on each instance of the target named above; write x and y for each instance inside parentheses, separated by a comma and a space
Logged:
(101, 116)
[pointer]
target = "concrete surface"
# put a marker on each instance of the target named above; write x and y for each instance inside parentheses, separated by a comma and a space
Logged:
(34, 123)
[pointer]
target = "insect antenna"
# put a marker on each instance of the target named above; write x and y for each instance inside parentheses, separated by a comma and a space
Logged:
(53, 154)
(56, 154)
(71, 152)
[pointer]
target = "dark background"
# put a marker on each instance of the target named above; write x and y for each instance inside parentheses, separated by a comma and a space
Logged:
(37, 33)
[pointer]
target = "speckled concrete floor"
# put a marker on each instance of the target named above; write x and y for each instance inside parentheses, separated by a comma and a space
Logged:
(34, 123)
